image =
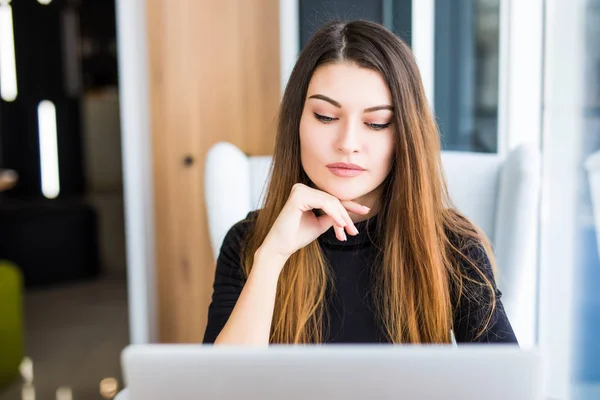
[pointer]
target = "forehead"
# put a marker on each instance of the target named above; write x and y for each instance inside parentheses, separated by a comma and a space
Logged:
(350, 85)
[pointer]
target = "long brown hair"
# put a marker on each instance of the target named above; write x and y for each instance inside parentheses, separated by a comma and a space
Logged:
(418, 269)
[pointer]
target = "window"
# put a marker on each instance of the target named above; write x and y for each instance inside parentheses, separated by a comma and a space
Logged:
(467, 37)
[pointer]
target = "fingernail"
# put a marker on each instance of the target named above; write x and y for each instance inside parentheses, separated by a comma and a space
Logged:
(355, 230)
(345, 237)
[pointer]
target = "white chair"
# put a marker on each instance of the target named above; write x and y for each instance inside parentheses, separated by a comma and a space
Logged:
(500, 194)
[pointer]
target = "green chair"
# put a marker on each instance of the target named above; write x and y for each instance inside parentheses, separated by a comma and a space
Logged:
(11, 322)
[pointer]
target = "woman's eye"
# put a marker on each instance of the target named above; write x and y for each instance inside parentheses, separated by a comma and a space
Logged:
(378, 127)
(324, 118)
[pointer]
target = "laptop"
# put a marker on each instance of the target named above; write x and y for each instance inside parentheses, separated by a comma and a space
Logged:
(471, 372)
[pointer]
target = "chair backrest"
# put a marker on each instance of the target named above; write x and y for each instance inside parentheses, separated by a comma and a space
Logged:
(233, 186)
(473, 185)
(592, 164)
(499, 194)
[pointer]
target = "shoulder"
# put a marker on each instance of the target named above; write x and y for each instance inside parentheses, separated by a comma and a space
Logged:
(473, 266)
(240, 230)
(467, 249)
(473, 256)
(238, 234)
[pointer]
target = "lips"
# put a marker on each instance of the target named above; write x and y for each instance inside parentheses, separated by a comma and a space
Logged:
(344, 170)
(341, 165)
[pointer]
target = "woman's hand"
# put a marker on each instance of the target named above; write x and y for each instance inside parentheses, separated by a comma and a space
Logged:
(297, 225)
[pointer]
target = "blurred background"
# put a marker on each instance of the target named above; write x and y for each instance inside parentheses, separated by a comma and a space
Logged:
(107, 111)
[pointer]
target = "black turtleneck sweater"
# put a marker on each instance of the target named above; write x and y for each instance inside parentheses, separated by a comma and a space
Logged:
(351, 318)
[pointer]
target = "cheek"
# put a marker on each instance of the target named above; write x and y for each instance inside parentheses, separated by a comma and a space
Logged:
(307, 147)
(385, 148)
(311, 141)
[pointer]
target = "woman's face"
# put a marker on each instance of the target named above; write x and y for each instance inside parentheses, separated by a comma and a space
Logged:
(346, 139)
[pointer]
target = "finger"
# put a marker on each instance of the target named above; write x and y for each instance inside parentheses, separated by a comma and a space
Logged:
(315, 199)
(325, 223)
(333, 207)
(350, 227)
(356, 208)
(330, 206)
(340, 234)
(310, 199)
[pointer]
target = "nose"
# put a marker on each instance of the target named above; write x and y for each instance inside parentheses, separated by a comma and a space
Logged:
(349, 138)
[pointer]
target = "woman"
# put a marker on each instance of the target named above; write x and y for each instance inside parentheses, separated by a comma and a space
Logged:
(357, 241)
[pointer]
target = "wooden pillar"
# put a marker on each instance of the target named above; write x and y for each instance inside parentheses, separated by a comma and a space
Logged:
(214, 76)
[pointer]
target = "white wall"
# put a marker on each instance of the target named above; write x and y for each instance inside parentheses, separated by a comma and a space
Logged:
(289, 40)
(561, 163)
(137, 168)
(521, 78)
(519, 122)
(423, 42)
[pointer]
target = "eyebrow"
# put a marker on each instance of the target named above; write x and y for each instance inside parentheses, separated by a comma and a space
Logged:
(338, 105)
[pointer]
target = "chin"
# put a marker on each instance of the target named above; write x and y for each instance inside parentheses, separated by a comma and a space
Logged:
(344, 192)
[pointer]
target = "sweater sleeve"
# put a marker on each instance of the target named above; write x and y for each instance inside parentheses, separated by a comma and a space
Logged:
(229, 280)
(473, 309)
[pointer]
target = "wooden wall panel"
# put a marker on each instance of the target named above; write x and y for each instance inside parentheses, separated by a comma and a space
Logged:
(214, 76)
